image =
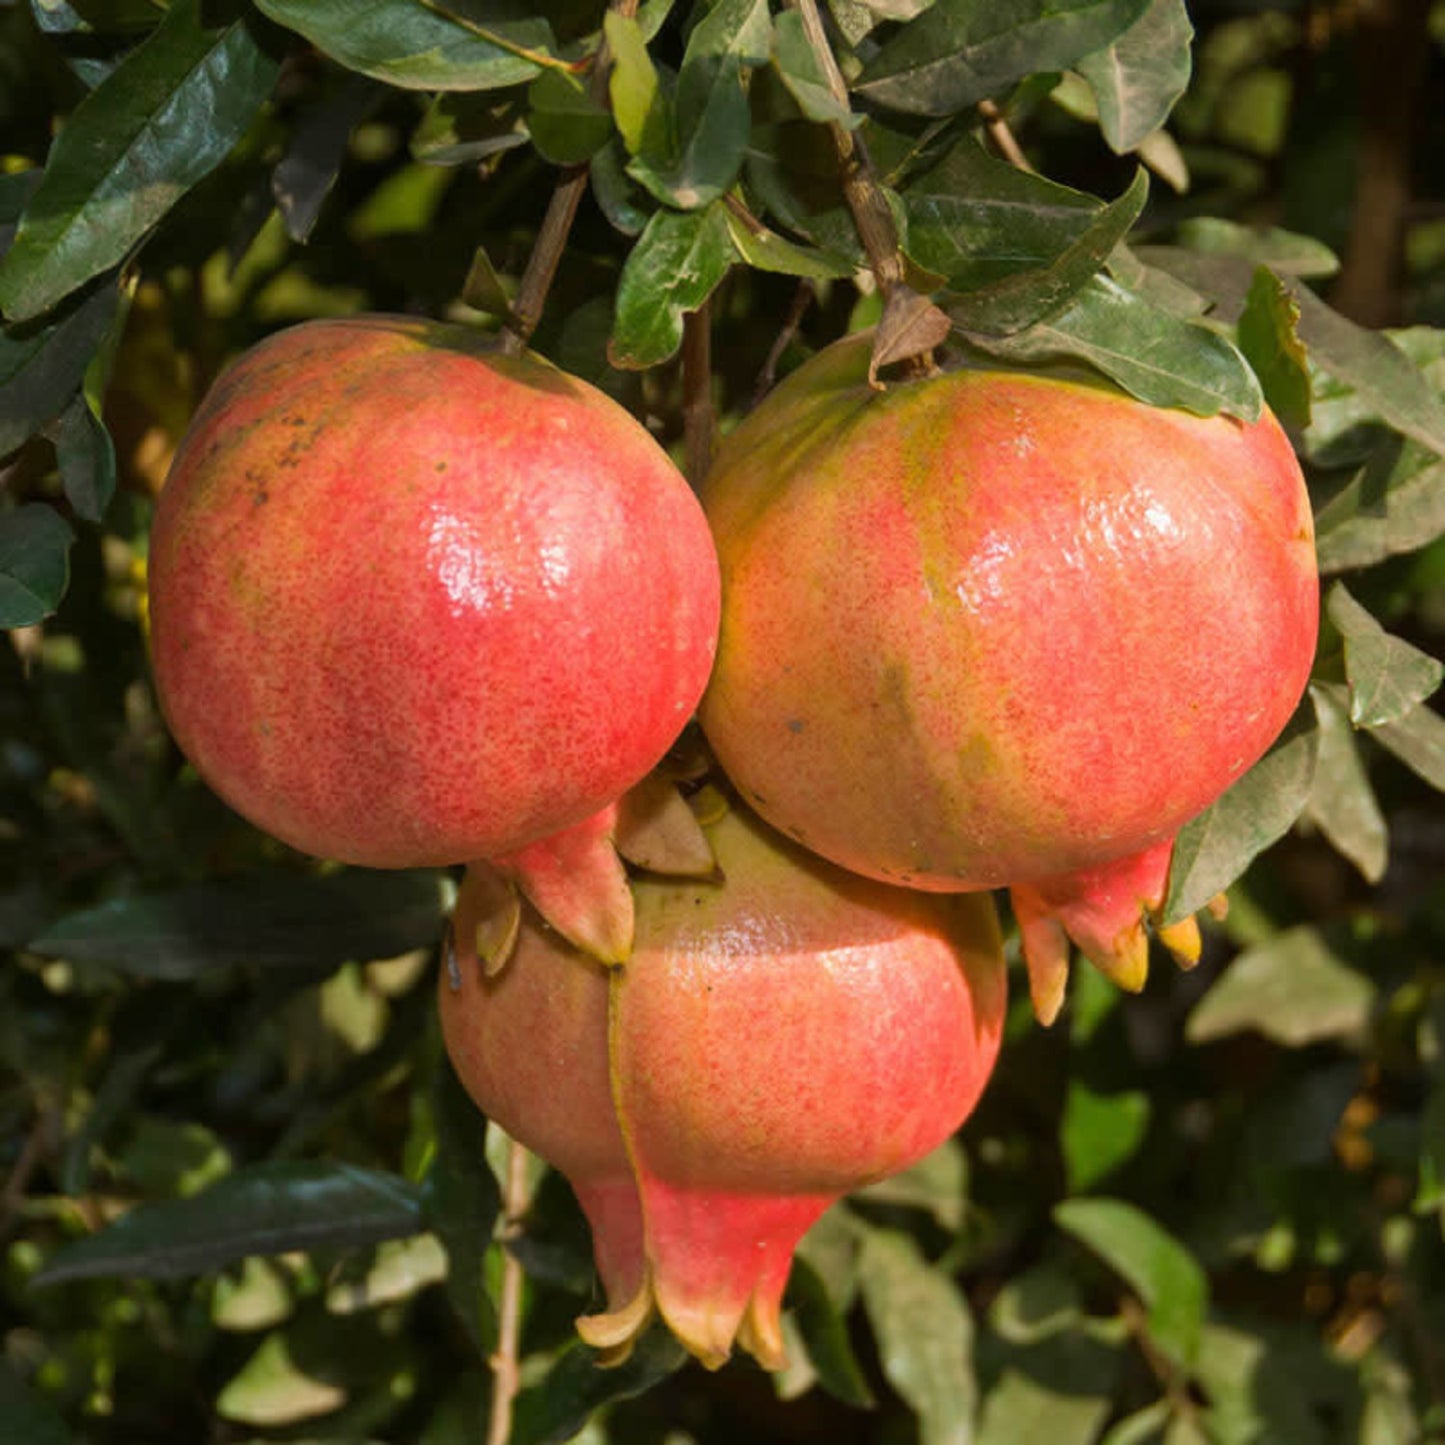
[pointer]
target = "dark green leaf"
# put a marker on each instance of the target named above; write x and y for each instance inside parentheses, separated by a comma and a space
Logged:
(1418, 740)
(42, 366)
(959, 52)
(1099, 1132)
(116, 1096)
(460, 129)
(1342, 803)
(1216, 847)
(272, 919)
(1137, 79)
(304, 176)
(462, 1202)
(166, 118)
(26, 1419)
(825, 1336)
(800, 71)
(1012, 303)
(1022, 1408)
(924, 1333)
(483, 289)
(1157, 357)
(1390, 384)
(34, 563)
(1291, 988)
(567, 125)
(1286, 252)
(267, 1209)
(677, 262)
(1269, 339)
(85, 455)
(1166, 1276)
(1430, 1192)
(565, 1398)
(1387, 676)
(419, 45)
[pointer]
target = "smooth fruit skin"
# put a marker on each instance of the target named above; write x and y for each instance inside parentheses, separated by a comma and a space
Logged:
(415, 602)
(775, 1040)
(993, 627)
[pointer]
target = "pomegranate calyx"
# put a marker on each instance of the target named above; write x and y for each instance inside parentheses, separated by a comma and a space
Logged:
(485, 921)
(656, 830)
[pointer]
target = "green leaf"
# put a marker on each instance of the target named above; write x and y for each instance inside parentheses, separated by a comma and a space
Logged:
(166, 118)
(85, 455)
(305, 175)
(34, 563)
(959, 52)
(567, 125)
(1418, 740)
(1036, 1304)
(1099, 1132)
(1159, 358)
(1143, 1427)
(462, 1202)
(1269, 339)
(924, 1333)
(1387, 676)
(1021, 1408)
(825, 1337)
(1395, 504)
(768, 251)
(460, 129)
(270, 919)
(638, 104)
(1342, 804)
(1286, 252)
(267, 1209)
(1137, 79)
(1291, 988)
(676, 264)
(558, 1405)
(1017, 301)
(24, 1417)
(1217, 846)
(1164, 1274)
(937, 1183)
(799, 70)
(1430, 1190)
(42, 367)
(420, 45)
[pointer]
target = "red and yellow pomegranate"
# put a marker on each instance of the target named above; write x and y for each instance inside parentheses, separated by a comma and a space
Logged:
(993, 627)
(778, 1037)
(416, 602)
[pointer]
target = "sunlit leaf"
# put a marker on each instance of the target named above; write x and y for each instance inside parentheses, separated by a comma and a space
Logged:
(1021, 1407)
(959, 52)
(1395, 504)
(1216, 847)
(825, 1336)
(1137, 79)
(1036, 1303)
(1290, 988)
(1387, 676)
(1287, 252)
(34, 563)
(1099, 1132)
(1418, 740)
(461, 45)
(799, 69)
(1269, 338)
(273, 919)
(266, 1209)
(1166, 1276)
(167, 117)
(765, 249)
(1342, 804)
(924, 1333)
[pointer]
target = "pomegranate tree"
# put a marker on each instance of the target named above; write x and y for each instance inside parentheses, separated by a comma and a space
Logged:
(416, 602)
(1001, 628)
(780, 1035)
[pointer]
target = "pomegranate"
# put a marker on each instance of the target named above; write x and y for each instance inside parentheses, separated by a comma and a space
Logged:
(993, 627)
(415, 602)
(775, 1040)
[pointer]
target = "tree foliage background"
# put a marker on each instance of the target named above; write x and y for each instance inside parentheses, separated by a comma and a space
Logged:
(241, 1197)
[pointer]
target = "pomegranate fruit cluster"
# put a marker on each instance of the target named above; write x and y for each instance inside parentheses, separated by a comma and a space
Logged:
(415, 602)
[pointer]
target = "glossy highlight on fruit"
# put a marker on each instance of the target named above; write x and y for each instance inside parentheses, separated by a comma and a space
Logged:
(416, 602)
(997, 628)
(780, 1036)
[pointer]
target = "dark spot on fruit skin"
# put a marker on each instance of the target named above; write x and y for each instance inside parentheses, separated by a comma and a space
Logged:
(441, 466)
(796, 724)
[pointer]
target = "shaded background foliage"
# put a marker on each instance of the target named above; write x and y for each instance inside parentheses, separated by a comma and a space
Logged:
(242, 1197)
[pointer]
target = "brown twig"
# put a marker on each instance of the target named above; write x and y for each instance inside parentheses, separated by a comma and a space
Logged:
(803, 297)
(504, 1361)
(698, 417)
(1001, 134)
(556, 225)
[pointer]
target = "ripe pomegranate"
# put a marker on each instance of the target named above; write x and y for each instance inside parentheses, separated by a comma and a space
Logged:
(775, 1040)
(415, 602)
(994, 627)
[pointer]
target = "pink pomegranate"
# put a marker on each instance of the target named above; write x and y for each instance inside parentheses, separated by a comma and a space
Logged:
(994, 628)
(775, 1040)
(415, 602)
